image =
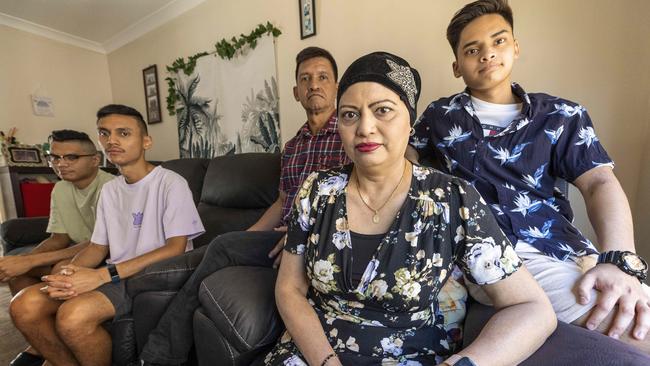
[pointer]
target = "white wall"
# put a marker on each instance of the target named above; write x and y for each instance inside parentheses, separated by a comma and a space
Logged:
(76, 79)
(642, 212)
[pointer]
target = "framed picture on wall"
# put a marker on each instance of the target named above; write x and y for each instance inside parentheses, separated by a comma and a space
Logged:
(151, 94)
(24, 155)
(307, 10)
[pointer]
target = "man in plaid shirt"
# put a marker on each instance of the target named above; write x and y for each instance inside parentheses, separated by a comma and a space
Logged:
(316, 146)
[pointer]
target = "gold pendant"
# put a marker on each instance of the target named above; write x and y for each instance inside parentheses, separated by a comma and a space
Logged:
(375, 219)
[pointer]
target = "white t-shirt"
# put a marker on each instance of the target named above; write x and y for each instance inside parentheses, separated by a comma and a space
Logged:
(134, 219)
(495, 117)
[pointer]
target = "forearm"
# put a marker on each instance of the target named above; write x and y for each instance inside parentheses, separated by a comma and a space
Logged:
(514, 332)
(175, 246)
(272, 217)
(304, 327)
(52, 243)
(47, 258)
(91, 256)
(610, 215)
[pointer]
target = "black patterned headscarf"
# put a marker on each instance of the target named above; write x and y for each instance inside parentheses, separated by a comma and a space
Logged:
(388, 70)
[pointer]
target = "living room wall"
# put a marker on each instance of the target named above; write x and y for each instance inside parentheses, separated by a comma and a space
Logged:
(595, 54)
(75, 78)
(642, 214)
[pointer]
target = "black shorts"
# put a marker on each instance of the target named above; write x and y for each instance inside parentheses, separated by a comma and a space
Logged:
(117, 295)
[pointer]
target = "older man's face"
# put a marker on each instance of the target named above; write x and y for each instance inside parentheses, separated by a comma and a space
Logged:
(316, 86)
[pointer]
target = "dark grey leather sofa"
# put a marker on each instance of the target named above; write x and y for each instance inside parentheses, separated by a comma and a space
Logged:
(238, 321)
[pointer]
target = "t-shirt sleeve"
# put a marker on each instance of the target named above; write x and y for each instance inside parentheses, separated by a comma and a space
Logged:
(420, 138)
(181, 217)
(484, 252)
(100, 232)
(54, 224)
(301, 218)
(577, 149)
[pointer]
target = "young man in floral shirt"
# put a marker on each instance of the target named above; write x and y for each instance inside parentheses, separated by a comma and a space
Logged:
(512, 146)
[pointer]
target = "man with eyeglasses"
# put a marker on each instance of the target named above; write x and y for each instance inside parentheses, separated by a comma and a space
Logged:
(74, 158)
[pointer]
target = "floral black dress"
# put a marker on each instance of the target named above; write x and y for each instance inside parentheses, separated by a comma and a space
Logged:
(389, 318)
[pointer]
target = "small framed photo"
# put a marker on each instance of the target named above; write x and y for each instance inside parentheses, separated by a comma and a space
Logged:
(307, 10)
(24, 155)
(151, 94)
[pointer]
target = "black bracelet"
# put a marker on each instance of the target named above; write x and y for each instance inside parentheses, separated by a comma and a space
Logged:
(331, 355)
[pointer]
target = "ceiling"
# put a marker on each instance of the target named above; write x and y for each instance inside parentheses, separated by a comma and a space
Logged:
(100, 24)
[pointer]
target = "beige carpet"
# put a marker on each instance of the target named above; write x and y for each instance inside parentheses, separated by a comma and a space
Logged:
(11, 341)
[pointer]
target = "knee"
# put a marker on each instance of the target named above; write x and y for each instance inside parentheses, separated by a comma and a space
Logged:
(27, 306)
(217, 245)
(74, 321)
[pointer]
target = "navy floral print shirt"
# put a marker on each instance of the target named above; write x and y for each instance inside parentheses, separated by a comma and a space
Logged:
(515, 170)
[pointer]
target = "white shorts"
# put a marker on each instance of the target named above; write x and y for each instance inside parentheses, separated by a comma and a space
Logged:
(556, 277)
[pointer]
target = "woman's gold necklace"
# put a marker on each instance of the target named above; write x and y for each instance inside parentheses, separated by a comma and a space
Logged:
(375, 217)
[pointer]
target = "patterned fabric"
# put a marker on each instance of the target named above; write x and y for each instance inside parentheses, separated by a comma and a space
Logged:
(515, 170)
(306, 153)
(389, 317)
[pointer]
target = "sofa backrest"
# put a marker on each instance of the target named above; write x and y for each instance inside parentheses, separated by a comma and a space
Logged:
(237, 189)
(232, 191)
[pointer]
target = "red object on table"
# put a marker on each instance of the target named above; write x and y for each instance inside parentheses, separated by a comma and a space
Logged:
(36, 198)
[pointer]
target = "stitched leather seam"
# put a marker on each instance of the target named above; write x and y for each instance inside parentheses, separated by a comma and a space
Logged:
(225, 316)
(163, 272)
(232, 356)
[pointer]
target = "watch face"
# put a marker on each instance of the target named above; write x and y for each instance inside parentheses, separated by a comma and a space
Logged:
(465, 361)
(634, 262)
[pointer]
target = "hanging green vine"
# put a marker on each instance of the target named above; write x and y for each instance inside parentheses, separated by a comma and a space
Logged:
(224, 49)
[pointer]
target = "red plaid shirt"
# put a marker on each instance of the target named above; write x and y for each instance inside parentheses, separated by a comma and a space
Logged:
(306, 153)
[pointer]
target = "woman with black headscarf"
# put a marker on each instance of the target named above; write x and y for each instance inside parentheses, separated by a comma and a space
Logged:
(370, 245)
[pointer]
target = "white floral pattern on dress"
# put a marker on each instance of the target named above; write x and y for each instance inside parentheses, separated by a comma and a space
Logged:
(444, 225)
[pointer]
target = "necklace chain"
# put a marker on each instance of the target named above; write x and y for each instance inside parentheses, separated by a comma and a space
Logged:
(375, 217)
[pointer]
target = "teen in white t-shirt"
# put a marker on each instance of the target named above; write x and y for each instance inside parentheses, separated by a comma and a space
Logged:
(134, 219)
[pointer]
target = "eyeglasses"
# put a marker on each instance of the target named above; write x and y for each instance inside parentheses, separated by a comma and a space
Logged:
(68, 158)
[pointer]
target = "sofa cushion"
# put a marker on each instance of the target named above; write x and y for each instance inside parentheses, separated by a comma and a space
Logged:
(219, 220)
(241, 303)
(245, 181)
(569, 345)
(22, 231)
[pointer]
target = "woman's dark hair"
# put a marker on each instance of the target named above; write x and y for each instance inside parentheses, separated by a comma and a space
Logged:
(313, 52)
(472, 11)
(124, 111)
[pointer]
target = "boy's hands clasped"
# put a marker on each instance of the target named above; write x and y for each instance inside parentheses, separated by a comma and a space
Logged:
(72, 281)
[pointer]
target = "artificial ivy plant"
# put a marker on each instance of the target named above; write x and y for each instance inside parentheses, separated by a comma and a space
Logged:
(226, 49)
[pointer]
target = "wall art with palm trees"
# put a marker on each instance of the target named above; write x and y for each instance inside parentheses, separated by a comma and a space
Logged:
(229, 106)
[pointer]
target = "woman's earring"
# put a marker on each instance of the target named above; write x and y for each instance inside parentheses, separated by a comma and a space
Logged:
(412, 132)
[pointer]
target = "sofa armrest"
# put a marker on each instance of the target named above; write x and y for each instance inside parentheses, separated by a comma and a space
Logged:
(22, 231)
(568, 345)
(241, 303)
(167, 275)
